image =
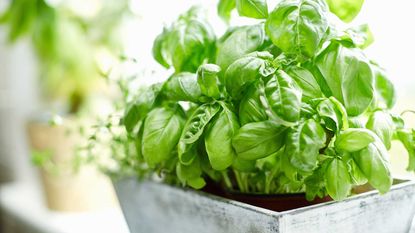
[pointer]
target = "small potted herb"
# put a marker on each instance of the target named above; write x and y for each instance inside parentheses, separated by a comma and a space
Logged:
(289, 109)
(68, 47)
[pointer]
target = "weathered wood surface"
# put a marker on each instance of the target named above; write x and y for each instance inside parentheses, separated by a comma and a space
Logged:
(152, 207)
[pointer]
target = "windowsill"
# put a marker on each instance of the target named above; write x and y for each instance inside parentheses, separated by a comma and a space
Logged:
(23, 208)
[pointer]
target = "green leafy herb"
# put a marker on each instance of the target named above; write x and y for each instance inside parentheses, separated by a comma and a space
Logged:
(296, 109)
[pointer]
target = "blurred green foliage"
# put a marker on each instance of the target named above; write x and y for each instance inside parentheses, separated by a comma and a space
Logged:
(66, 43)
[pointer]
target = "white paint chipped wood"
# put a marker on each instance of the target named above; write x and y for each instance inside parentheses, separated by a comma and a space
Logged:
(151, 207)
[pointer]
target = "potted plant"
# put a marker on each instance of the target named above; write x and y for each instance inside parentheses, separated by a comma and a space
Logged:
(285, 111)
(69, 46)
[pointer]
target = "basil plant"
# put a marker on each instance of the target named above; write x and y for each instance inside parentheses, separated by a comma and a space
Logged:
(290, 104)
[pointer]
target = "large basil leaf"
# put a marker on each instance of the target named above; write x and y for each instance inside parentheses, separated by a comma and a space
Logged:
(348, 75)
(187, 44)
(159, 50)
(298, 27)
(257, 9)
(250, 107)
(162, 129)
(338, 183)
(283, 97)
(346, 10)
(374, 164)
(303, 144)
(193, 129)
(238, 42)
(218, 139)
(225, 8)
(258, 140)
(385, 91)
(138, 108)
(306, 81)
(247, 70)
(207, 78)
(333, 114)
(354, 139)
(382, 124)
(183, 87)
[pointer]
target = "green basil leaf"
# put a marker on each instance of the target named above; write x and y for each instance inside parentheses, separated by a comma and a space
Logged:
(303, 144)
(250, 107)
(306, 81)
(408, 140)
(187, 44)
(298, 27)
(257, 9)
(348, 75)
(338, 183)
(191, 174)
(218, 139)
(346, 10)
(291, 172)
(381, 124)
(193, 129)
(239, 42)
(162, 129)
(207, 167)
(315, 184)
(361, 36)
(159, 50)
(247, 70)
(374, 164)
(357, 122)
(225, 8)
(357, 176)
(183, 87)
(244, 165)
(207, 78)
(258, 140)
(283, 97)
(138, 108)
(333, 114)
(354, 139)
(138, 141)
(385, 91)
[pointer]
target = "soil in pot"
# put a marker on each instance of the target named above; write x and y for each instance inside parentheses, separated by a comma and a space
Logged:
(278, 202)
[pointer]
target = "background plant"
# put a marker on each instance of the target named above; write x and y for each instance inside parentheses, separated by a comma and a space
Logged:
(67, 43)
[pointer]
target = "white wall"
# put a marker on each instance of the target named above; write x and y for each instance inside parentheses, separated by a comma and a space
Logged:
(18, 98)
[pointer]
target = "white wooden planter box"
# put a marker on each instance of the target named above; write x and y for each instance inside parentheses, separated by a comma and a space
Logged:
(151, 207)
